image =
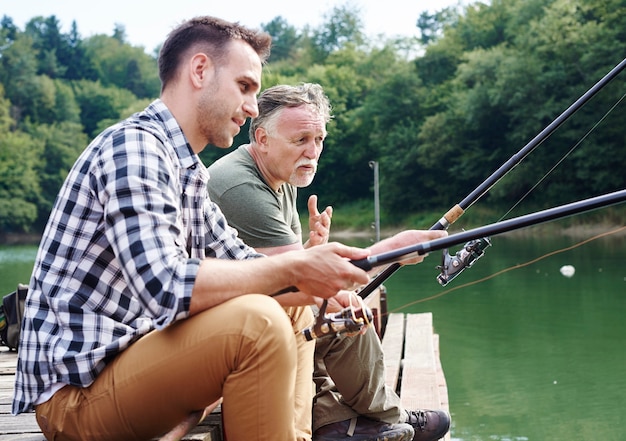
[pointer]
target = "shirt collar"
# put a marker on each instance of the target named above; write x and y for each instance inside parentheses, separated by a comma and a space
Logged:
(158, 111)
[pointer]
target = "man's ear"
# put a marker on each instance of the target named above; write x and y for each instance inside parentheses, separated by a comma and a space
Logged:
(201, 69)
(261, 139)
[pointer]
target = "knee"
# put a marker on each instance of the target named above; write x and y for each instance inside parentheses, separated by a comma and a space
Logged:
(264, 316)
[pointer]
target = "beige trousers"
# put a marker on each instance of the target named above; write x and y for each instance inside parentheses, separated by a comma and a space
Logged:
(244, 350)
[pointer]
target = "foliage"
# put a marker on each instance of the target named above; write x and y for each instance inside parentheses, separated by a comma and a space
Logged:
(285, 39)
(439, 113)
(20, 187)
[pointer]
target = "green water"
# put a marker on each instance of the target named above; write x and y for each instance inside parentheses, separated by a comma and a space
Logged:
(529, 354)
(16, 264)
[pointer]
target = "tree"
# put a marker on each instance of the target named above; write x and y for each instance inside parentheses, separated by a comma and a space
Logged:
(62, 144)
(119, 33)
(285, 39)
(439, 115)
(122, 65)
(19, 186)
(72, 54)
(431, 26)
(8, 30)
(24, 88)
(98, 103)
(47, 41)
(342, 25)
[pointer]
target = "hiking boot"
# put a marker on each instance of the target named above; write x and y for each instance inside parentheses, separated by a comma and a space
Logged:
(364, 429)
(429, 425)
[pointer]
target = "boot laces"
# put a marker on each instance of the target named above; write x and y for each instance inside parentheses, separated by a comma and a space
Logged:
(417, 419)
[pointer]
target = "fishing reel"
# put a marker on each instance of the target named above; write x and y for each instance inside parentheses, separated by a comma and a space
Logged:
(349, 320)
(452, 266)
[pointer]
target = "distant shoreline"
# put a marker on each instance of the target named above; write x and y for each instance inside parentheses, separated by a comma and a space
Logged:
(20, 239)
(578, 231)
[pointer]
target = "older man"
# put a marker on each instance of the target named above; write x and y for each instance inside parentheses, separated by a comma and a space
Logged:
(255, 186)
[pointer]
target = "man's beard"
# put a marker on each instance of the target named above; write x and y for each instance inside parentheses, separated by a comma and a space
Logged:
(210, 114)
(297, 179)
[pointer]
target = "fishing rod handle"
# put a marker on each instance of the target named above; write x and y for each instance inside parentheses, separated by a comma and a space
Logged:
(449, 218)
(365, 264)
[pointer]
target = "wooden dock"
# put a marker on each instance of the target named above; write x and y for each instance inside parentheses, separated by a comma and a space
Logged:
(412, 363)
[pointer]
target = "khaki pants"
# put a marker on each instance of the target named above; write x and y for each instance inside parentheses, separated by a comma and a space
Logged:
(243, 350)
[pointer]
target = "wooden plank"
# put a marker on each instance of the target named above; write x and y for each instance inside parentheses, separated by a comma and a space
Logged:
(393, 345)
(423, 383)
(441, 378)
(14, 425)
(24, 427)
(419, 389)
(22, 423)
(23, 437)
(418, 342)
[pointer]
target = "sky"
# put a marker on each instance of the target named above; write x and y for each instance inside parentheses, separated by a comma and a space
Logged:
(147, 22)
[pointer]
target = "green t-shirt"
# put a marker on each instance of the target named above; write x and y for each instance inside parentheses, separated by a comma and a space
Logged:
(264, 218)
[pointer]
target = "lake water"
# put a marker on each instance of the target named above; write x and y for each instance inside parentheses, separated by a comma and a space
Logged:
(528, 354)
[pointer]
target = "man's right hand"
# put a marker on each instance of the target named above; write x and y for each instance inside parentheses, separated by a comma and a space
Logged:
(319, 223)
(324, 270)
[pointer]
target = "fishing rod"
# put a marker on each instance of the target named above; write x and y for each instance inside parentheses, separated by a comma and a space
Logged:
(452, 266)
(351, 320)
(505, 226)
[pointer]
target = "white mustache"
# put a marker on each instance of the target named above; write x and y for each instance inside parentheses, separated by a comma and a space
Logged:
(307, 162)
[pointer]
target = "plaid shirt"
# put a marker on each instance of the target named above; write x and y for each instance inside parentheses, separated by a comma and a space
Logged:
(120, 253)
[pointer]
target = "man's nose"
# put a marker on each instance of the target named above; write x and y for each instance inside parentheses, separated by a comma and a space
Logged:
(251, 108)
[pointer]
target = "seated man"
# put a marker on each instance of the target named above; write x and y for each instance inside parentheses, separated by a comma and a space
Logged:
(255, 187)
(144, 307)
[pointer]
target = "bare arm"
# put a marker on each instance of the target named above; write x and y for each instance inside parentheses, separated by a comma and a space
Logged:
(321, 271)
(404, 239)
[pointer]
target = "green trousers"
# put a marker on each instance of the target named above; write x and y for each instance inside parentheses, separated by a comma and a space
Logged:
(349, 376)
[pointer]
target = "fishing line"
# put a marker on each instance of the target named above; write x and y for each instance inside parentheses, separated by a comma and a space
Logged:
(580, 141)
(505, 270)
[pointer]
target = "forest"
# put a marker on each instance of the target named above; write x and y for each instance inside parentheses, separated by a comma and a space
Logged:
(439, 112)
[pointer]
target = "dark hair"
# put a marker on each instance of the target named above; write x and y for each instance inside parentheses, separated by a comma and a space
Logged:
(210, 35)
(273, 99)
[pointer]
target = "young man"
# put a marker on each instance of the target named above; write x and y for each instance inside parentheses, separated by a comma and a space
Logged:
(255, 186)
(144, 307)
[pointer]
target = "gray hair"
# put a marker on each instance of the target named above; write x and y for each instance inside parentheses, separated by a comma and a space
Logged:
(274, 99)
